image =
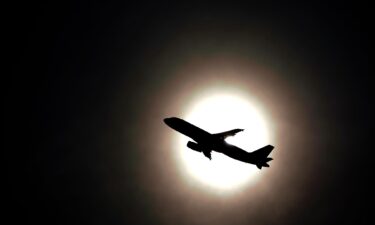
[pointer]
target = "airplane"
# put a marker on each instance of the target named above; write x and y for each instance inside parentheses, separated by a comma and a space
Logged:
(206, 142)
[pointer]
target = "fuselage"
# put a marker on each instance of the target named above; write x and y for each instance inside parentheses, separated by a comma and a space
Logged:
(187, 128)
(203, 137)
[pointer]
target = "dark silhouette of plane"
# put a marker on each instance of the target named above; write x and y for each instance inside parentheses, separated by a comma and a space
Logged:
(206, 142)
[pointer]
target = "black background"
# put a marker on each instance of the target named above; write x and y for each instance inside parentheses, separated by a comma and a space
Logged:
(69, 61)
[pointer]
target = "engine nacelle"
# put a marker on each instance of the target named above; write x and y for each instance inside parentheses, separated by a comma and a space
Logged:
(194, 146)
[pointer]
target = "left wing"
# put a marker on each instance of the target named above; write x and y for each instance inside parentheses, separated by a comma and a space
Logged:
(228, 133)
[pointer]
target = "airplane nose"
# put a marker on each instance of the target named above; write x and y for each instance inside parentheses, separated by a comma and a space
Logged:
(171, 121)
(167, 121)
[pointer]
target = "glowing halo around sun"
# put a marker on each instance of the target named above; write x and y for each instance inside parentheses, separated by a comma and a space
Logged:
(218, 113)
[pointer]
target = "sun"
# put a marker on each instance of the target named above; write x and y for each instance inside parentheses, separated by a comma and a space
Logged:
(218, 113)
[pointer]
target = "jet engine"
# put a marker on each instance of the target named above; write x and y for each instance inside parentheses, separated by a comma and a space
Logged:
(194, 146)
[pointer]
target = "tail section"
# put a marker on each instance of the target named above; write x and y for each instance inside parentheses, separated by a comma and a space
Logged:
(263, 163)
(260, 156)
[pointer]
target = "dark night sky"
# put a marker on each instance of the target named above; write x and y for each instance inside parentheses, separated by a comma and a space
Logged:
(90, 83)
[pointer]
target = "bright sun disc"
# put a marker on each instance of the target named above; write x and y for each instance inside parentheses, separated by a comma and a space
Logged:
(217, 114)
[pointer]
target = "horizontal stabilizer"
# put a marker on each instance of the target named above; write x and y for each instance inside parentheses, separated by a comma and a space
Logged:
(264, 163)
(260, 156)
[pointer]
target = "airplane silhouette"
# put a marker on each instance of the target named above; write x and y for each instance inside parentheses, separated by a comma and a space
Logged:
(206, 142)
